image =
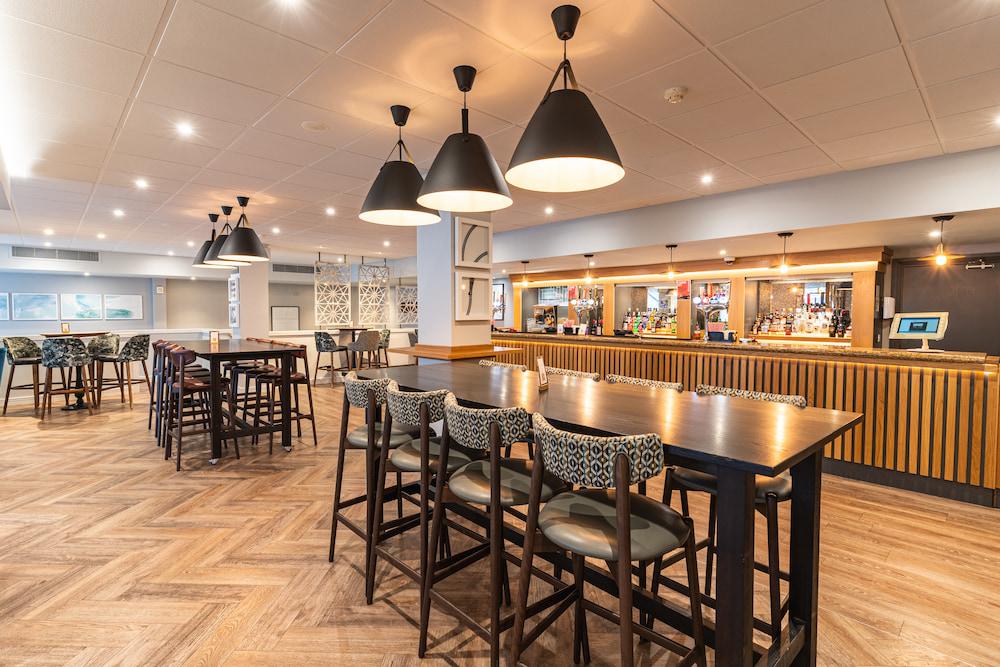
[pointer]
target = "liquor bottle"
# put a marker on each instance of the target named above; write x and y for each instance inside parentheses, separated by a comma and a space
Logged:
(834, 325)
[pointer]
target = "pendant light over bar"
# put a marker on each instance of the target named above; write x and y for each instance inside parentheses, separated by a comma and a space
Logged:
(670, 268)
(212, 256)
(392, 199)
(784, 236)
(243, 244)
(464, 177)
(940, 256)
(199, 259)
(566, 147)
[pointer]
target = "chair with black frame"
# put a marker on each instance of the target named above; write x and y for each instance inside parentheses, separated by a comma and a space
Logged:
(325, 344)
(603, 520)
(22, 352)
(268, 388)
(769, 492)
(492, 486)
(164, 374)
(384, 336)
(367, 344)
(135, 350)
(66, 354)
(188, 402)
(105, 344)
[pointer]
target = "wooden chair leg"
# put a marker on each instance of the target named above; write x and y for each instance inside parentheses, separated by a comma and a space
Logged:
(10, 381)
(100, 381)
(319, 355)
(62, 377)
(118, 377)
(88, 387)
(331, 369)
(341, 449)
(427, 582)
(312, 413)
(581, 643)
(47, 393)
(145, 372)
(128, 375)
(36, 394)
(378, 515)
(180, 426)
(710, 550)
(773, 564)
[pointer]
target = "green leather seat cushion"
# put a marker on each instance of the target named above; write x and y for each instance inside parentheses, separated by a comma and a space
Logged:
(407, 457)
(471, 483)
(695, 480)
(400, 435)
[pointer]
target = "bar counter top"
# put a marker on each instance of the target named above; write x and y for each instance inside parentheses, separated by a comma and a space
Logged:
(798, 349)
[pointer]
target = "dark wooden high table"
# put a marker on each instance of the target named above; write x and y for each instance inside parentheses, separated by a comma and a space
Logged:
(736, 438)
(238, 349)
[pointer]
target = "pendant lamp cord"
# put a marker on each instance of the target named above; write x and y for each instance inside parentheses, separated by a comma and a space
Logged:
(569, 79)
(401, 147)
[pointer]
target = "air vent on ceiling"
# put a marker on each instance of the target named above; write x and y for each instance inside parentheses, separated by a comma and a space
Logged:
(293, 268)
(55, 253)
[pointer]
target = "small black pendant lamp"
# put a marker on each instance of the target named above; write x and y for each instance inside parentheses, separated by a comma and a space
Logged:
(566, 147)
(243, 244)
(392, 199)
(464, 177)
(212, 256)
(199, 259)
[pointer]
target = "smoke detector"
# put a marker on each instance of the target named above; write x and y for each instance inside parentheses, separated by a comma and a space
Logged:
(675, 94)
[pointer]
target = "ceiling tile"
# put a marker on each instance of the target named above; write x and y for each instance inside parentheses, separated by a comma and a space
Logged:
(163, 148)
(324, 24)
(915, 153)
(426, 45)
(723, 119)
(511, 89)
(287, 117)
(187, 90)
(921, 18)
(125, 23)
(974, 92)
(869, 78)
(380, 142)
(773, 139)
(33, 49)
(717, 20)
(964, 51)
(902, 109)
(227, 183)
(277, 147)
(815, 38)
(161, 121)
(616, 118)
(36, 125)
(777, 163)
(972, 143)
(635, 187)
(503, 143)
(516, 23)
(64, 171)
(692, 180)
(648, 141)
(329, 183)
(436, 118)
(797, 174)
(707, 79)
(126, 181)
(617, 41)
(225, 46)
(29, 94)
(143, 166)
(350, 164)
(882, 142)
(240, 163)
(969, 124)
(87, 156)
(685, 160)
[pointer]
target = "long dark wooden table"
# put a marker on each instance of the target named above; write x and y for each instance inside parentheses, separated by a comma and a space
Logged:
(237, 349)
(735, 438)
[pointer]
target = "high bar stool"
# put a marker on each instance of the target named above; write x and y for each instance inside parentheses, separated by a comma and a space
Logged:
(366, 344)
(105, 344)
(66, 354)
(384, 336)
(769, 492)
(186, 391)
(603, 520)
(22, 351)
(642, 382)
(325, 344)
(489, 363)
(135, 350)
(552, 370)
(267, 386)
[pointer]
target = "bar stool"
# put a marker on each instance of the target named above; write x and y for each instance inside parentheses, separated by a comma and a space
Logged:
(604, 521)
(367, 343)
(552, 370)
(489, 363)
(66, 354)
(189, 392)
(268, 387)
(383, 347)
(106, 344)
(494, 483)
(136, 349)
(22, 352)
(326, 344)
(769, 492)
(643, 382)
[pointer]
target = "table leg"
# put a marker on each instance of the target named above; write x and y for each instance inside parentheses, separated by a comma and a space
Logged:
(216, 412)
(80, 404)
(286, 401)
(803, 585)
(734, 602)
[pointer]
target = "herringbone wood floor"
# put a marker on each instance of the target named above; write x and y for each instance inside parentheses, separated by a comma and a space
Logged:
(108, 556)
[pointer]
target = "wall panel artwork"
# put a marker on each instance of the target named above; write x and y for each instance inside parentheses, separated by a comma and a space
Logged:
(81, 307)
(373, 295)
(406, 305)
(333, 294)
(35, 306)
(4, 306)
(123, 306)
(473, 295)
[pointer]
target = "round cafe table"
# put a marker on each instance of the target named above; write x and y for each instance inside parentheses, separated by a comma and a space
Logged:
(80, 403)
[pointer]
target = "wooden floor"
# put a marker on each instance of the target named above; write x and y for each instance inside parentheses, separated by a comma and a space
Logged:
(108, 556)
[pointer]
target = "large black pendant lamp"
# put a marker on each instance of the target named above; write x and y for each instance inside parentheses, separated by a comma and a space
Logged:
(392, 199)
(199, 259)
(566, 147)
(212, 256)
(243, 244)
(464, 177)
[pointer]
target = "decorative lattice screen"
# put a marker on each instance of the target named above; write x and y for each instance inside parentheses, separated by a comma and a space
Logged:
(333, 294)
(373, 295)
(406, 305)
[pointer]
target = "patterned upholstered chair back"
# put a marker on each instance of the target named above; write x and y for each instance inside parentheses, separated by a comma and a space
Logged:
(136, 348)
(19, 347)
(412, 336)
(790, 399)
(470, 427)
(368, 341)
(383, 338)
(589, 460)
(325, 342)
(64, 352)
(643, 382)
(404, 406)
(489, 363)
(356, 390)
(552, 370)
(104, 344)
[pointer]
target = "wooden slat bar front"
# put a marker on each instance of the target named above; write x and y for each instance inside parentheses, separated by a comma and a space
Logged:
(931, 421)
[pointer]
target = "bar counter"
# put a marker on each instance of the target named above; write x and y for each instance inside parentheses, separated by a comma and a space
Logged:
(931, 419)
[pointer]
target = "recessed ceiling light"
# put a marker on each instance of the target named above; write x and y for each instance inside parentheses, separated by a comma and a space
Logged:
(141, 183)
(706, 179)
(118, 213)
(996, 120)
(48, 232)
(385, 243)
(170, 252)
(549, 210)
(291, 4)
(503, 270)
(314, 126)
(48, 244)
(331, 210)
(193, 278)
(190, 244)
(722, 252)
(593, 263)
(275, 230)
(102, 235)
(185, 129)
(86, 274)
(340, 259)
(934, 233)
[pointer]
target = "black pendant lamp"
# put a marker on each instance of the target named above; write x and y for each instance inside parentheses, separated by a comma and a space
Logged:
(392, 199)
(464, 176)
(212, 256)
(243, 244)
(670, 269)
(199, 259)
(566, 147)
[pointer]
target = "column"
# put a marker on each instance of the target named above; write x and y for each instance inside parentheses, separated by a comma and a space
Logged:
(254, 302)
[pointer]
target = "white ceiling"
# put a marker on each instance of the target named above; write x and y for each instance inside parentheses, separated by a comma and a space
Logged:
(778, 90)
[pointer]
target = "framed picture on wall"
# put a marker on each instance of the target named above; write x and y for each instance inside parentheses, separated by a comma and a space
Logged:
(80, 307)
(4, 306)
(473, 243)
(35, 306)
(499, 302)
(234, 314)
(123, 306)
(234, 287)
(473, 295)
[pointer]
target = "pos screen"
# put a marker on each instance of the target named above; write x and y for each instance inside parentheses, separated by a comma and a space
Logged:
(919, 325)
